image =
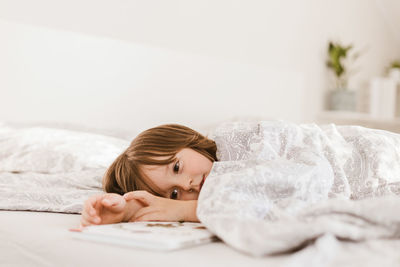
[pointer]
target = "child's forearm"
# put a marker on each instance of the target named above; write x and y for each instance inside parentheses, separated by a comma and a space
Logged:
(190, 214)
(184, 209)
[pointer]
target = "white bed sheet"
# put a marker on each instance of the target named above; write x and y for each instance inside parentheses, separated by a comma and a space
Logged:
(43, 239)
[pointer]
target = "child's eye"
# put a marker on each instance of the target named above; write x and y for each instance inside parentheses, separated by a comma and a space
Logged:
(176, 167)
(174, 194)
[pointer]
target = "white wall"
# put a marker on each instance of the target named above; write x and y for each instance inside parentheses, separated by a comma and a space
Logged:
(123, 63)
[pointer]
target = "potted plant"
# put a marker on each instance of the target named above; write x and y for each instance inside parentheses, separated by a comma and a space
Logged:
(341, 98)
(394, 70)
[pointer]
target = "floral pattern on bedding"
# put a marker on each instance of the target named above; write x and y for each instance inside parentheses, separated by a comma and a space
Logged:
(45, 169)
(279, 185)
(56, 192)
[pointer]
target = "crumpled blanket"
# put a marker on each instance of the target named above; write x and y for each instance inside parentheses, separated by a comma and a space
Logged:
(55, 192)
(278, 186)
(46, 169)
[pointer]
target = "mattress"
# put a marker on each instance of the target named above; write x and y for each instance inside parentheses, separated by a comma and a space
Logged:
(42, 239)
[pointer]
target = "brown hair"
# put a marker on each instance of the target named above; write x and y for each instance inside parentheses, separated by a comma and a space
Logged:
(155, 146)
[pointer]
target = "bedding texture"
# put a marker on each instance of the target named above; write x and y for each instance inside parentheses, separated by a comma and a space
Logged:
(44, 169)
(279, 186)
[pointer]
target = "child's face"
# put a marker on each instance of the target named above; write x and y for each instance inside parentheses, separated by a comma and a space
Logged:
(183, 178)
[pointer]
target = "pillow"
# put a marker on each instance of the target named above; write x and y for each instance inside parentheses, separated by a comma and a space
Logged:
(76, 127)
(48, 150)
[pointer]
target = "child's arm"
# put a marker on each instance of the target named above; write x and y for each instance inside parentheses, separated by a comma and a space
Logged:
(162, 209)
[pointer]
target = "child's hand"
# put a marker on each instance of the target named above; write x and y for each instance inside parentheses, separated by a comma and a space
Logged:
(162, 209)
(103, 209)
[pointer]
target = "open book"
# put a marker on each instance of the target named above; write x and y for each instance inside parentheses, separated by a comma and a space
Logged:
(162, 236)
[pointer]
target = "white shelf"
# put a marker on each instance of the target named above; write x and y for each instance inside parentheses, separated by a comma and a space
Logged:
(361, 119)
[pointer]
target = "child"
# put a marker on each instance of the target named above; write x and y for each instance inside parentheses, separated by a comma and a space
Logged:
(158, 177)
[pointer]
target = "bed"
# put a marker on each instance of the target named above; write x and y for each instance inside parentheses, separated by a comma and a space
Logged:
(40, 164)
(42, 239)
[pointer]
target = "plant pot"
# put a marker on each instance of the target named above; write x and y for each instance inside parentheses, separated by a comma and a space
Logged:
(342, 100)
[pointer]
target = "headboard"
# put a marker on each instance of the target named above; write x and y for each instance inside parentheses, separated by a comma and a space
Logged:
(59, 76)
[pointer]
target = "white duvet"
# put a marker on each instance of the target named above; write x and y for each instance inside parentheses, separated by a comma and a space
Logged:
(279, 186)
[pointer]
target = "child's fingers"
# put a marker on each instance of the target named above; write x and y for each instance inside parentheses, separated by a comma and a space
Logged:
(91, 219)
(98, 206)
(111, 200)
(84, 222)
(91, 203)
(108, 202)
(143, 196)
(131, 195)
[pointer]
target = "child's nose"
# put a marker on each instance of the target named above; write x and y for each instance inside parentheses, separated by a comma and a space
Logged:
(188, 184)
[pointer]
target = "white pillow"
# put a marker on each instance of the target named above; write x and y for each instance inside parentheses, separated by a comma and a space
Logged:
(49, 150)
